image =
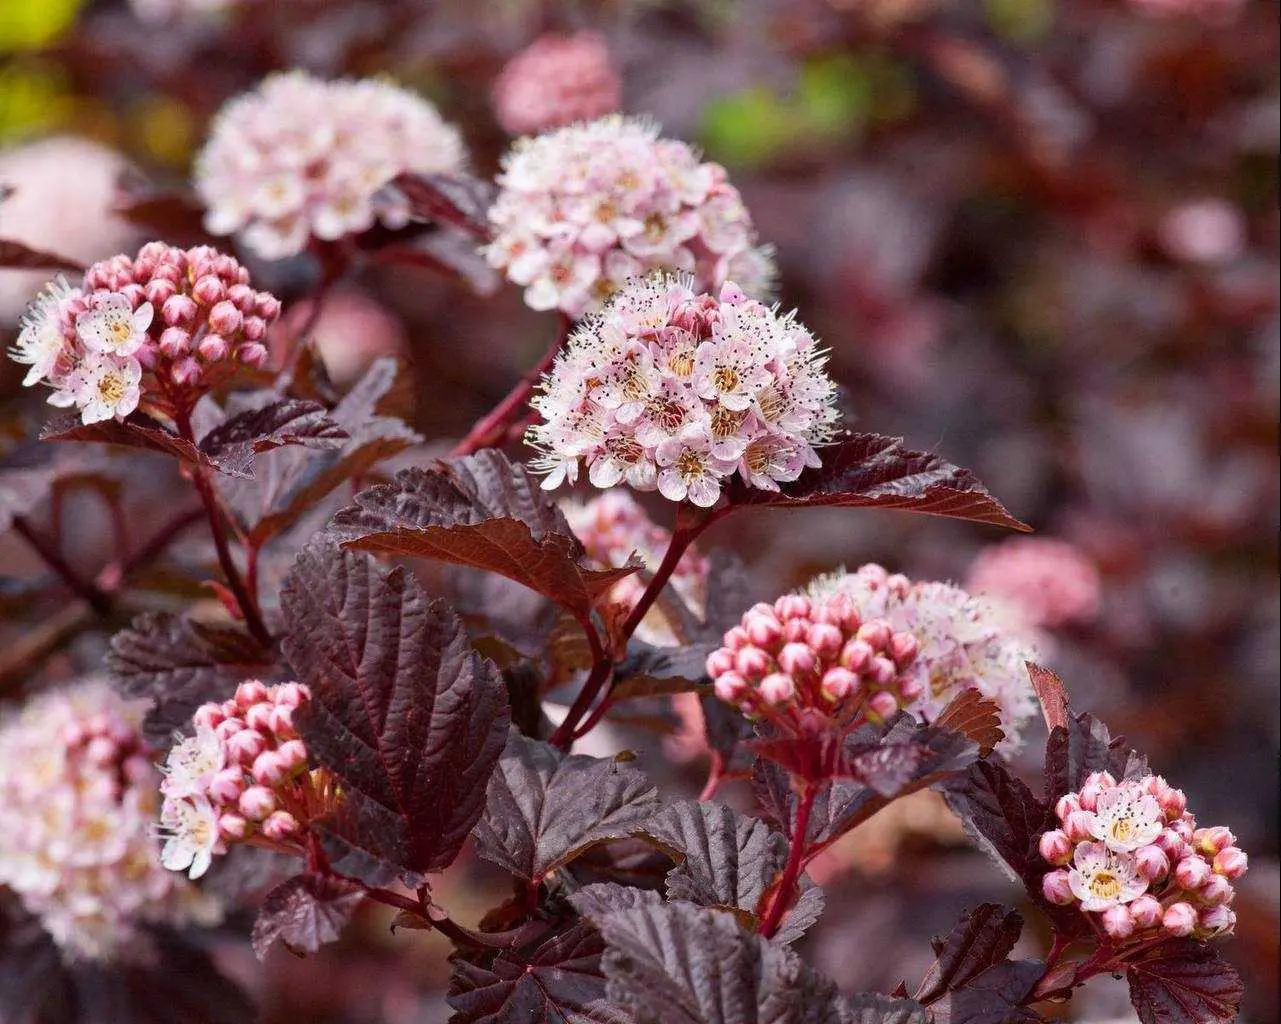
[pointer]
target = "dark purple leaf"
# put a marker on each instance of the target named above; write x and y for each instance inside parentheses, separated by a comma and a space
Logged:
(982, 938)
(660, 671)
(232, 444)
(1083, 746)
(872, 471)
(803, 915)
(169, 213)
(459, 200)
(973, 715)
(403, 711)
(600, 898)
(484, 511)
(873, 1008)
(630, 862)
(452, 254)
(138, 431)
(544, 808)
(994, 996)
(559, 982)
(17, 256)
(1185, 982)
(180, 663)
(304, 913)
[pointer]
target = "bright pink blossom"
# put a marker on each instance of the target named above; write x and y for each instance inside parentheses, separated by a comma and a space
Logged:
(1049, 582)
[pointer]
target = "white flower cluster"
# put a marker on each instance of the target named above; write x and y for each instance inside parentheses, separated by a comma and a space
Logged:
(963, 641)
(586, 208)
(301, 157)
(77, 840)
(671, 390)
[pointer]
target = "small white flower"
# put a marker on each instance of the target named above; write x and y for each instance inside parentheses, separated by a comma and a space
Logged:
(192, 761)
(104, 387)
(191, 828)
(687, 468)
(113, 326)
(1126, 818)
(1101, 878)
(41, 341)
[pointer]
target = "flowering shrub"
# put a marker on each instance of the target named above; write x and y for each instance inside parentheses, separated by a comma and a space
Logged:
(585, 209)
(338, 688)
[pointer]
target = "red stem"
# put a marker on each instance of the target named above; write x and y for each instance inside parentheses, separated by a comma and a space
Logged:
(782, 899)
(492, 428)
(715, 776)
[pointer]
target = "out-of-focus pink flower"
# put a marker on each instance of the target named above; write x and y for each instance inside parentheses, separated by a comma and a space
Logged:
(586, 208)
(63, 192)
(300, 157)
(1049, 582)
(352, 330)
(1212, 12)
(556, 81)
(76, 823)
(1203, 231)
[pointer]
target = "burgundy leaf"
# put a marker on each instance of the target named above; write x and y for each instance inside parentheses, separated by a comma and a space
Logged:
(180, 663)
(304, 913)
(874, 1008)
(406, 715)
(885, 768)
(1082, 746)
(982, 938)
(173, 214)
(660, 671)
(995, 996)
(452, 254)
(600, 898)
(232, 444)
(17, 256)
(973, 715)
(484, 511)
(1052, 695)
(456, 199)
(872, 471)
(544, 808)
(559, 982)
(138, 431)
(803, 914)
(1182, 982)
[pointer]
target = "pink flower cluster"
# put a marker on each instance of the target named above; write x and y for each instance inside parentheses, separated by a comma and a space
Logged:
(962, 641)
(159, 328)
(555, 81)
(801, 654)
(613, 528)
(1048, 582)
(244, 773)
(76, 837)
(675, 391)
(586, 208)
(1130, 853)
(301, 157)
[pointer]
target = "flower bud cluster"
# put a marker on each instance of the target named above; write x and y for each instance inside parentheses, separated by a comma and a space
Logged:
(1048, 582)
(671, 390)
(301, 157)
(1130, 853)
(555, 81)
(814, 654)
(159, 328)
(963, 642)
(244, 773)
(612, 528)
(586, 208)
(76, 838)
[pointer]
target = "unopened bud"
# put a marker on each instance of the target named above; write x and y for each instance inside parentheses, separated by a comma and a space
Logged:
(208, 716)
(159, 291)
(258, 716)
(292, 754)
(838, 683)
(174, 341)
(882, 705)
(719, 662)
(1151, 863)
(1179, 919)
(227, 785)
(777, 688)
(1211, 840)
(1146, 912)
(1192, 872)
(257, 802)
(254, 328)
(1118, 923)
(1216, 921)
(730, 687)
(280, 826)
(233, 826)
(225, 318)
(736, 638)
(903, 649)
(792, 606)
(764, 631)
(911, 689)
(269, 768)
(242, 297)
(209, 290)
(825, 639)
(1078, 826)
(243, 747)
(856, 655)
(752, 663)
(186, 372)
(798, 659)
(1216, 890)
(1056, 847)
(876, 634)
(1231, 862)
(1066, 805)
(1056, 888)
(251, 692)
(213, 348)
(881, 671)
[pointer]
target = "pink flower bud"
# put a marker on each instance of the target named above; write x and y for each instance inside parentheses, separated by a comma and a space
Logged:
(903, 649)
(243, 747)
(186, 372)
(281, 826)
(1066, 805)
(251, 692)
(1170, 843)
(254, 355)
(1211, 840)
(227, 729)
(282, 721)
(792, 606)
(763, 630)
(102, 750)
(291, 695)
(233, 826)
(825, 639)
(1179, 919)
(777, 688)
(730, 687)
(736, 638)
(1056, 847)
(225, 318)
(174, 341)
(1216, 890)
(226, 267)
(209, 290)
(794, 631)
(267, 306)
(213, 348)
(856, 655)
(911, 689)
(258, 716)
(1146, 912)
(797, 659)
(269, 768)
(877, 634)
(752, 663)
(254, 328)
(1078, 825)
(882, 705)
(293, 755)
(719, 662)
(1191, 872)
(881, 671)
(1151, 863)
(1103, 780)
(1231, 862)
(1089, 797)
(1118, 923)
(1183, 828)
(1056, 888)
(242, 297)
(159, 291)
(208, 716)
(1216, 921)
(226, 786)
(257, 802)
(838, 683)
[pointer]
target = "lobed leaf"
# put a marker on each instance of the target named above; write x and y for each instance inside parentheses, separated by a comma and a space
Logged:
(982, 938)
(403, 711)
(995, 995)
(1183, 981)
(661, 671)
(483, 511)
(232, 445)
(304, 913)
(544, 808)
(138, 431)
(872, 471)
